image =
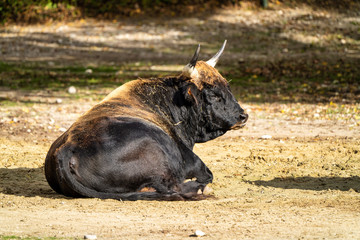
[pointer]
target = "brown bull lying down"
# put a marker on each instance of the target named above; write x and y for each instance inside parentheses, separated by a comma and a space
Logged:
(142, 136)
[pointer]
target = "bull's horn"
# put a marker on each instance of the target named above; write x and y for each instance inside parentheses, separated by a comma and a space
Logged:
(190, 67)
(212, 61)
(195, 57)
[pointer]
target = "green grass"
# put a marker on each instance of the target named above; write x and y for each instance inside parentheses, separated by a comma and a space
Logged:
(55, 80)
(33, 77)
(39, 77)
(297, 81)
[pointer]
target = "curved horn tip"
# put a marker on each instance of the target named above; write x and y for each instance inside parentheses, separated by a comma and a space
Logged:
(195, 57)
(212, 61)
(189, 68)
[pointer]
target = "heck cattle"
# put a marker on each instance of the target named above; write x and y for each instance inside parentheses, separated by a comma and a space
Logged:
(141, 136)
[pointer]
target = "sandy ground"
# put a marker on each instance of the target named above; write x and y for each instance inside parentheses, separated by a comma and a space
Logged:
(292, 173)
(303, 182)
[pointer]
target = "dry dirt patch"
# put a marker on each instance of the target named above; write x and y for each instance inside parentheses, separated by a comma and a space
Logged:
(274, 188)
(301, 181)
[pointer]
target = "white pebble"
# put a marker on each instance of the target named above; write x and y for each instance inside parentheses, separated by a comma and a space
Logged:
(90, 237)
(72, 90)
(199, 233)
(266, 136)
(89, 71)
(62, 129)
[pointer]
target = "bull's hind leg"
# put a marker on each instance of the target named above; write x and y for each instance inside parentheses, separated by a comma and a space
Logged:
(169, 191)
(162, 184)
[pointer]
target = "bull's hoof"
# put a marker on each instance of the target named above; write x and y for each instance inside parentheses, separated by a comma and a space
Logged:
(207, 190)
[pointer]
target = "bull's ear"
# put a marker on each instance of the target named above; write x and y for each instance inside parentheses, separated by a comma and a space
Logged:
(191, 94)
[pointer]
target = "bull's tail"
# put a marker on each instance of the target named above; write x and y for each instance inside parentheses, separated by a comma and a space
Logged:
(71, 187)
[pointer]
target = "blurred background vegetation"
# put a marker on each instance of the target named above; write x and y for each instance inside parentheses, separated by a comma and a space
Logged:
(31, 11)
(295, 51)
(43, 10)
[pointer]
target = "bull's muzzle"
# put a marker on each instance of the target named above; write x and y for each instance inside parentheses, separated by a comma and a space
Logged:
(240, 124)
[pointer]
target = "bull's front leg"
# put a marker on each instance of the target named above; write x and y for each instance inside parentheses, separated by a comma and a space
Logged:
(200, 171)
(195, 167)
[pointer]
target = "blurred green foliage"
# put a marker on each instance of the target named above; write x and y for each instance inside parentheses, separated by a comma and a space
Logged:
(43, 10)
(29, 11)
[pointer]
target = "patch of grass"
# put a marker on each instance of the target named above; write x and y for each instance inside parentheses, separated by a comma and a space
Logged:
(82, 69)
(32, 77)
(284, 81)
(40, 77)
(10, 103)
(90, 81)
(5, 67)
(295, 81)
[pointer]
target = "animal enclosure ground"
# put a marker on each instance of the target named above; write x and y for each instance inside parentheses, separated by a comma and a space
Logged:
(304, 182)
(293, 172)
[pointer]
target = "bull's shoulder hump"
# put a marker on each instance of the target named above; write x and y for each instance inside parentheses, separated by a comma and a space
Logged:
(122, 91)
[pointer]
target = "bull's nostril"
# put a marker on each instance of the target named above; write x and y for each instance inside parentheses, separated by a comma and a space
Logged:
(244, 117)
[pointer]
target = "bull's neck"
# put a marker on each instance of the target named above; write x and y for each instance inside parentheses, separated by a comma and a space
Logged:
(178, 118)
(185, 126)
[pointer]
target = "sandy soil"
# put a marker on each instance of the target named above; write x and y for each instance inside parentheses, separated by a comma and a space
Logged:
(292, 173)
(303, 182)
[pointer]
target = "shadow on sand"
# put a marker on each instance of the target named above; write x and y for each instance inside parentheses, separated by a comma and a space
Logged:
(31, 182)
(313, 183)
(27, 182)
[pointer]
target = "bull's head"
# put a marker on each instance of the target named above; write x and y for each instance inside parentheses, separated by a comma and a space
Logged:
(219, 110)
